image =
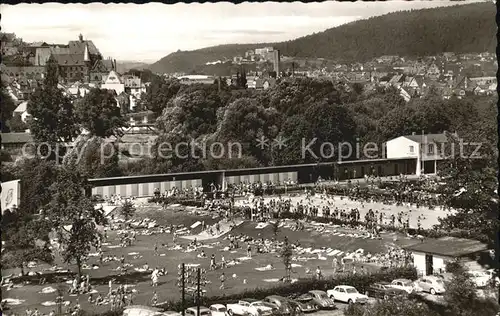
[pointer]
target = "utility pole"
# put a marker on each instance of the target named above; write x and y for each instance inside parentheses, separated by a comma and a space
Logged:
(198, 300)
(183, 289)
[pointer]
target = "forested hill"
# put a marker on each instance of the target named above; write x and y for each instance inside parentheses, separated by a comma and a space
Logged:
(461, 29)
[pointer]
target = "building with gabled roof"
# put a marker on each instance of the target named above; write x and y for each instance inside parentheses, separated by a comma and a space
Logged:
(78, 60)
(431, 256)
(428, 149)
(113, 82)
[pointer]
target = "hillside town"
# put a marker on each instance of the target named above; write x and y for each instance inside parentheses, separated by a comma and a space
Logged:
(82, 67)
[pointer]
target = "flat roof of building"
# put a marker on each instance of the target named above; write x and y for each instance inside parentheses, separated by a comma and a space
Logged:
(448, 247)
(229, 172)
(16, 138)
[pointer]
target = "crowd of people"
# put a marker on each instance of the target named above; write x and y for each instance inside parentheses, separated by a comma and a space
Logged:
(259, 209)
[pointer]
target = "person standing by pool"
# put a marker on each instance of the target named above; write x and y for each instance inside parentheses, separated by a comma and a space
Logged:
(222, 280)
(154, 299)
(213, 265)
(154, 277)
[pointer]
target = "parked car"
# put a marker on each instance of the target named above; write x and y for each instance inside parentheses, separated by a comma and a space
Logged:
(432, 284)
(192, 311)
(260, 304)
(403, 284)
(296, 307)
(248, 307)
(347, 294)
(480, 278)
(140, 310)
(306, 303)
(322, 300)
(282, 303)
(218, 310)
(493, 276)
(384, 290)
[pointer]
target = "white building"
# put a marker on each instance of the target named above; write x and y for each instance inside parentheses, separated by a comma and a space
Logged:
(113, 82)
(22, 110)
(427, 149)
(431, 256)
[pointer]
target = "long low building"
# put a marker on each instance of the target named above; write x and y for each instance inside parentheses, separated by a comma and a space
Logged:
(144, 185)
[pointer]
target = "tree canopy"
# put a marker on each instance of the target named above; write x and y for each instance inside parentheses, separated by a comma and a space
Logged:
(99, 113)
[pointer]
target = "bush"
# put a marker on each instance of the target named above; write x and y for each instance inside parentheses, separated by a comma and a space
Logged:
(360, 281)
(391, 307)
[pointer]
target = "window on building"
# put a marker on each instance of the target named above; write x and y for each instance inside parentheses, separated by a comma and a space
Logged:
(430, 148)
(412, 149)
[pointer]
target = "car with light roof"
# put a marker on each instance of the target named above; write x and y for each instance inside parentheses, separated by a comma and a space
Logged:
(248, 306)
(431, 284)
(347, 294)
(218, 310)
(403, 284)
(193, 311)
(383, 290)
(480, 278)
(141, 310)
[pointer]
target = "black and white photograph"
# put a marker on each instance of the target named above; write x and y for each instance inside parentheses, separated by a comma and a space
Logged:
(249, 159)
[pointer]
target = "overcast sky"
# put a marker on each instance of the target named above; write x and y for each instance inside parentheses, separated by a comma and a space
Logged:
(148, 32)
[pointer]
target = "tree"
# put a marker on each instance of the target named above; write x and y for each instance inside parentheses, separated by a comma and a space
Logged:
(244, 121)
(469, 188)
(94, 157)
(26, 239)
(36, 177)
(159, 93)
(193, 111)
(53, 119)
(294, 95)
(127, 210)
(182, 154)
(73, 216)
(462, 299)
(99, 113)
(8, 107)
(16, 124)
(322, 123)
(391, 307)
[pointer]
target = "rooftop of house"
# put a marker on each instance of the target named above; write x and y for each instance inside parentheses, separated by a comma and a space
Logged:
(426, 138)
(448, 246)
(69, 59)
(16, 138)
(22, 107)
(78, 47)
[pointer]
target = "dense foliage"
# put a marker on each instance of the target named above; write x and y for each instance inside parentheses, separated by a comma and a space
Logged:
(53, 114)
(300, 111)
(98, 113)
(418, 33)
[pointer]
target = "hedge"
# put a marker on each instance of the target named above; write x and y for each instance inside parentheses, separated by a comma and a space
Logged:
(359, 281)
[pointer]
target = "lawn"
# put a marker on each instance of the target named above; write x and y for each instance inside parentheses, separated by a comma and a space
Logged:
(170, 258)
